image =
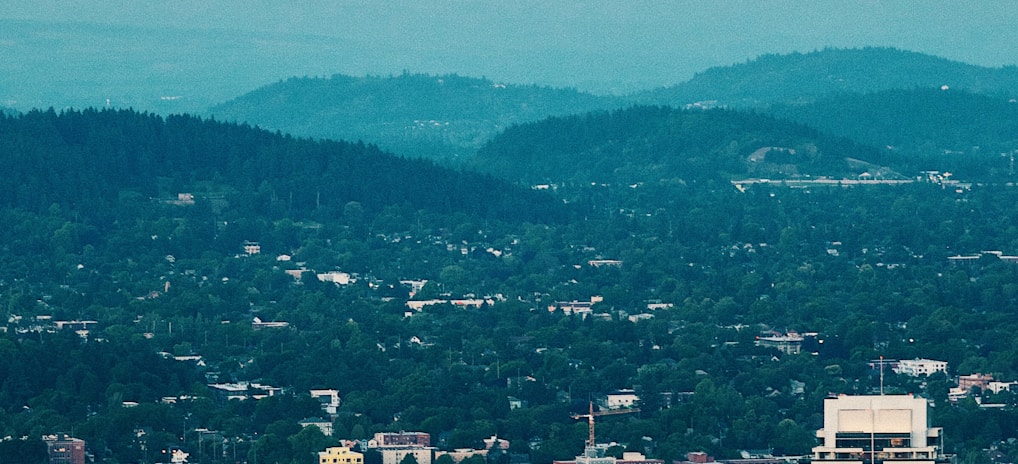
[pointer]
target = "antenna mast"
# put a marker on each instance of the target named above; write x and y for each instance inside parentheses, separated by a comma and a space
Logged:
(881, 375)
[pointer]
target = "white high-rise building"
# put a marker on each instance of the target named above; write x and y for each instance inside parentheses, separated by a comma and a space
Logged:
(878, 429)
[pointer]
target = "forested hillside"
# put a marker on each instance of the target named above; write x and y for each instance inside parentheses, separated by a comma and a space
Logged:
(805, 77)
(968, 134)
(449, 117)
(128, 306)
(90, 160)
(412, 114)
(651, 144)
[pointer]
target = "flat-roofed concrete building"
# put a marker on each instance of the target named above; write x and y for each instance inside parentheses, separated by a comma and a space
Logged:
(64, 449)
(389, 439)
(395, 455)
(340, 455)
(878, 429)
(920, 367)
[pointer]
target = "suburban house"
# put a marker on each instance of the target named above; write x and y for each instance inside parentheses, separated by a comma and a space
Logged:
(328, 398)
(336, 277)
(968, 382)
(997, 387)
(605, 263)
(257, 323)
(620, 399)
(576, 307)
(243, 391)
(323, 424)
(920, 367)
(252, 248)
(789, 343)
(415, 285)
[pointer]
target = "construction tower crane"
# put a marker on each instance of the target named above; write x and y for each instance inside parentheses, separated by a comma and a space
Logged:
(592, 414)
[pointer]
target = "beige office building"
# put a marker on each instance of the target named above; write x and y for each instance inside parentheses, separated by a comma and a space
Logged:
(878, 429)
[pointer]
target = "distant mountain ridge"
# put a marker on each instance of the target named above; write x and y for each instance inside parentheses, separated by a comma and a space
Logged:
(451, 116)
(412, 114)
(805, 77)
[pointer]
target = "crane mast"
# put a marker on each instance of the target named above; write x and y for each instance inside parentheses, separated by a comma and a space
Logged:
(591, 414)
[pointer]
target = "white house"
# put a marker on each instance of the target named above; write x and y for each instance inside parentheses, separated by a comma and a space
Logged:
(920, 367)
(324, 425)
(329, 399)
(997, 387)
(336, 277)
(620, 399)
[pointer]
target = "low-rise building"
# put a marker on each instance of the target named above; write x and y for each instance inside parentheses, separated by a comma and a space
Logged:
(789, 343)
(620, 399)
(258, 323)
(395, 455)
(244, 390)
(340, 455)
(997, 387)
(591, 455)
(920, 367)
(329, 399)
(582, 308)
(418, 305)
(391, 439)
(336, 277)
(64, 449)
(322, 424)
(459, 454)
(632, 457)
(252, 248)
(394, 447)
(968, 382)
(495, 443)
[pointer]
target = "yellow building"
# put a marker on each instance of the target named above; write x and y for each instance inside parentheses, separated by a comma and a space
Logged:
(340, 455)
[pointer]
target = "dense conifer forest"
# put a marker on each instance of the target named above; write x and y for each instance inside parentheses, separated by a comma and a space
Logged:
(88, 160)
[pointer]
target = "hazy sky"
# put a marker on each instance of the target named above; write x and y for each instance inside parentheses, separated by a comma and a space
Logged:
(637, 43)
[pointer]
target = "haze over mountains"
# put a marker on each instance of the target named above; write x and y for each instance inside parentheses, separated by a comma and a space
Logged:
(154, 69)
(869, 95)
(278, 68)
(192, 48)
(448, 117)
